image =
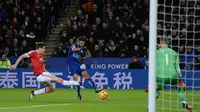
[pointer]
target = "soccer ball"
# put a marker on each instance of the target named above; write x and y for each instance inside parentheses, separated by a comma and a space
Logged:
(103, 95)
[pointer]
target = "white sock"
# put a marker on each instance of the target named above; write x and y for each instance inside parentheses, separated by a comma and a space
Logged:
(66, 83)
(40, 91)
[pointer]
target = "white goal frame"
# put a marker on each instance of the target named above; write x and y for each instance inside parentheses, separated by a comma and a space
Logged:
(152, 56)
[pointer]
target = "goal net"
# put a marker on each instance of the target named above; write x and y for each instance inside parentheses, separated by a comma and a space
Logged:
(179, 20)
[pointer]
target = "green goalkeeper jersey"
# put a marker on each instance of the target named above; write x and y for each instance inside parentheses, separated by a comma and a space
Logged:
(167, 63)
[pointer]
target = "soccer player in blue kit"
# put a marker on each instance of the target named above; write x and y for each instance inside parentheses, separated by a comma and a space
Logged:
(75, 66)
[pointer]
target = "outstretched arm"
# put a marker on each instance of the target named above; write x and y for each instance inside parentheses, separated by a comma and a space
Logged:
(178, 67)
(181, 83)
(43, 60)
(13, 67)
(76, 49)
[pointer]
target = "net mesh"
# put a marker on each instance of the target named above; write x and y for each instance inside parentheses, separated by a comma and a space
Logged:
(179, 20)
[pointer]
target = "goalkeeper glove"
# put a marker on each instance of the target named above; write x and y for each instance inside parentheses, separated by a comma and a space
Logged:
(182, 84)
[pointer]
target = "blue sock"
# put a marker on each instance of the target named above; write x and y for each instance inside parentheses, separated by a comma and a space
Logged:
(91, 82)
(78, 90)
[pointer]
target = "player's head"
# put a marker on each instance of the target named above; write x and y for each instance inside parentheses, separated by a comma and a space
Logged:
(80, 41)
(40, 47)
(3, 57)
(164, 40)
(134, 59)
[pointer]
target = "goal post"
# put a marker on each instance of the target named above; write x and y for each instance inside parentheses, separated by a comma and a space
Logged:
(152, 56)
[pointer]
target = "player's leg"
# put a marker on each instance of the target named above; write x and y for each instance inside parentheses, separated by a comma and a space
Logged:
(160, 86)
(90, 81)
(48, 89)
(73, 71)
(181, 93)
(77, 78)
(59, 80)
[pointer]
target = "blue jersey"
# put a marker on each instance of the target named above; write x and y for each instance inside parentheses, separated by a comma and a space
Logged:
(73, 60)
(74, 56)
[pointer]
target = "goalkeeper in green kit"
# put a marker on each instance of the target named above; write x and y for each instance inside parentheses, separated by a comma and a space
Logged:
(168, 71)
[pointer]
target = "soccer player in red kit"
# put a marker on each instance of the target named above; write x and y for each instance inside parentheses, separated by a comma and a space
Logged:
(43, 76)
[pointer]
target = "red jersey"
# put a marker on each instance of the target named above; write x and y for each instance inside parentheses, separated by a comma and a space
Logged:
(37, 65)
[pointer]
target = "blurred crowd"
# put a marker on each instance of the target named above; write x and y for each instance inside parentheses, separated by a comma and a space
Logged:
(120, 28)
(24, 22)
(112, 28)
(182, 26)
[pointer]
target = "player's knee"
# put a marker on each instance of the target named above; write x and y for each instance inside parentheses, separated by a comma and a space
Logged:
(76, 77)
(43, 79)
(59, 80)
(49, 89)
(85, 75)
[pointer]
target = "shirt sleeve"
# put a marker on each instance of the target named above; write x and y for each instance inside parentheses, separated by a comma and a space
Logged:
(30, 54)
(73, 46)
(177, 66)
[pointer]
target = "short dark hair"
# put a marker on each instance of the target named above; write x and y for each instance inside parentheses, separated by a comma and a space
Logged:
(134, 57)
(40, 45)
(81, 39)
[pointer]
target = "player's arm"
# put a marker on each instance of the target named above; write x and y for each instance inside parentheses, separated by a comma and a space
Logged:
(74, 48)
(178, 67)
(181, 83)
(84, 54)
(82, 58)
(43, 60)
(13, 67)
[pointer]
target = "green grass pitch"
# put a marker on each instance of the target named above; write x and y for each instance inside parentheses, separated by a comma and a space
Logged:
(65, 100)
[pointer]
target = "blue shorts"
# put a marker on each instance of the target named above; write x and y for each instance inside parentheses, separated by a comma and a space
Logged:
(75, 69)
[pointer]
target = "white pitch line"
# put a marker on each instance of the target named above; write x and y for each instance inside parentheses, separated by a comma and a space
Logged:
(53, 105)
(35, 106)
